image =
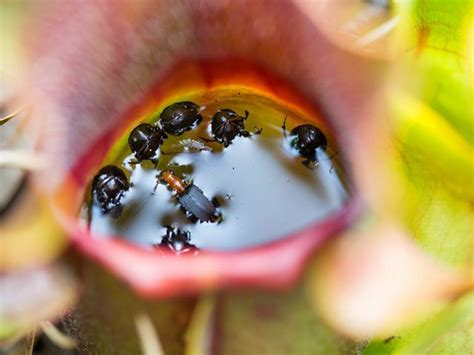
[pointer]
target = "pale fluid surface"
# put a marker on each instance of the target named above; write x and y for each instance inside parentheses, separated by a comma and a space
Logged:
(264, 189)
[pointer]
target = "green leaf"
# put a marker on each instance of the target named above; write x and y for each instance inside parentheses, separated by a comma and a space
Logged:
(436, 69)
(429, 141)
(438, 25)
(449, 331)
(433, 112)
(274, 324)
(446, 88)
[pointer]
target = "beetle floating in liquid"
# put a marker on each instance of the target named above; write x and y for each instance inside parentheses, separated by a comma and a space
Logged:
(188, 145)
(226, 124)
(306, 139)
(191, 198)
(177, 240)
(180, 117)
(145, 140)
(108, 187)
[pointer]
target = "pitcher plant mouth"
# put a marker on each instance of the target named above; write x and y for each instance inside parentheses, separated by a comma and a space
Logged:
(102, 83)
(276, 264)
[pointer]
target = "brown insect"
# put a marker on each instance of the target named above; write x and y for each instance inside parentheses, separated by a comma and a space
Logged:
(191, 198)
(176, 183)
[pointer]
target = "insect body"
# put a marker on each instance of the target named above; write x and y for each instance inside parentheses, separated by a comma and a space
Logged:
(306, 139)
(173, 181)
(226, 124)
(188, 145)
(145, 141)
(108, 187)
(191, 198)
(177, 240)
(180, 117)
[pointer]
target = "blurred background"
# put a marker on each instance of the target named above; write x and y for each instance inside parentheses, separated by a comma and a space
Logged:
(395, 78)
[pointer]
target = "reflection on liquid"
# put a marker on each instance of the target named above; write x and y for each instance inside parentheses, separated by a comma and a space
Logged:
(264, 190)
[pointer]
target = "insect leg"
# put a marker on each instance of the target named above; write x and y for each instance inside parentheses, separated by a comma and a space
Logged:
(244, 133)
(171, 152)
(132, 162)
(156, 185)
(215, 201)
(257, 130)
(284, 127)
(311, 163)
(207, 140)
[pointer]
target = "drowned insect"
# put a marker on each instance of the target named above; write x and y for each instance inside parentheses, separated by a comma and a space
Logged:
(177, 240)
(191, 198)
(108, 188)
(145, 140)
(306, 139)
(226, 124)
(188, 145)
(180, 117)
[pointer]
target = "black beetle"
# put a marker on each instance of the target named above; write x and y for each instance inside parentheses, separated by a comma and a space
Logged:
(192, 199)
(108, 187)
(226, 124)
(145, 140)
(180, 117)
(306, 139)
(177, 240)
